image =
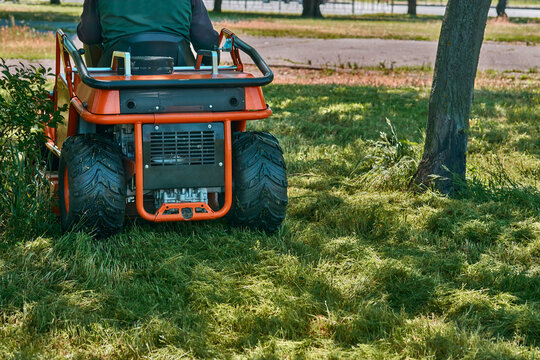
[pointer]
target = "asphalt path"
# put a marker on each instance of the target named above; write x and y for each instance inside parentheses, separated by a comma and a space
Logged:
(375, 52)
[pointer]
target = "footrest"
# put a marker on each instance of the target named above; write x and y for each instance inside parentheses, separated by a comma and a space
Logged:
(189, 211)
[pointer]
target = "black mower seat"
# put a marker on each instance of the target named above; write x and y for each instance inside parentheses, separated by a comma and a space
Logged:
(152, 44)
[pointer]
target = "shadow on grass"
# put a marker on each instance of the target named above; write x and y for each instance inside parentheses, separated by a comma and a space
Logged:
(339, 115)
(159, 285)
(511, 118)
(347, 269)
(352, 268)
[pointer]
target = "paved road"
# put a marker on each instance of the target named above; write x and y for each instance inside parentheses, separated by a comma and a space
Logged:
(373, 52)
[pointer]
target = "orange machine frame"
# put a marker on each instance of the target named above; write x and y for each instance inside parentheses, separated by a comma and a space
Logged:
(105, 103)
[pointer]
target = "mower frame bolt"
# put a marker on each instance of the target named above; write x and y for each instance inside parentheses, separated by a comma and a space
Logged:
(146, 166)
(156, 127)
(220, 164)
(209, 126)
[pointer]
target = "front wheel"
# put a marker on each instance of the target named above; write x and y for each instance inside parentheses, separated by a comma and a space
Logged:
(92, 187)
(260, 182)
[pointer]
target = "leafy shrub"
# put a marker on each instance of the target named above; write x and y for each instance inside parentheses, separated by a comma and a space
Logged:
(25, 109)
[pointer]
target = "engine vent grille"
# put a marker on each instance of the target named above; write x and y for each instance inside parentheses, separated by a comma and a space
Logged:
(175, 148)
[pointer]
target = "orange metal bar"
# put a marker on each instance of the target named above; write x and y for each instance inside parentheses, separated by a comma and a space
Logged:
(235, 54)
(194, 206)
(73, 121)
(168, 118)
(159, 216)
(69, 73)
(57, 71)
(199, 62)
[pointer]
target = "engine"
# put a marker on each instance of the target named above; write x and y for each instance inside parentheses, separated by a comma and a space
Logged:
(182, 162)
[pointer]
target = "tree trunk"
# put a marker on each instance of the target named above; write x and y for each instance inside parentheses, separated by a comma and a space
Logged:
(217, 6)
(444, 158)
(411, 7)
(311, 8)
(55, 2)
(501, 9)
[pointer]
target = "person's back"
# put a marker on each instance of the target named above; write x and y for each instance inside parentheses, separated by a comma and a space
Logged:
(104, 22)
(121, 18)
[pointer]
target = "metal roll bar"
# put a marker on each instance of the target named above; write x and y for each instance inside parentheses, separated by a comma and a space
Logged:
(237, 43)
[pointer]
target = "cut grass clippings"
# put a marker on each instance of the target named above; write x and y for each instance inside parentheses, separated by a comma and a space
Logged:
(361, 269)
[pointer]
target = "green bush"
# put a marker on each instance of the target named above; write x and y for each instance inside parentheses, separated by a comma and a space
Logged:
(25, 109)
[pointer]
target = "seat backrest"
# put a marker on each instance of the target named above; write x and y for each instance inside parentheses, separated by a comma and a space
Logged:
(152, 44)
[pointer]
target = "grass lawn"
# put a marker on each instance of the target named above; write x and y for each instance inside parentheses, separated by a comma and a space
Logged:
(518, 30)
(361, 269)
(22, 42)
(401, 27)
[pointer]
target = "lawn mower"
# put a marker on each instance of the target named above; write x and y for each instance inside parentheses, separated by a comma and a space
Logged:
(152, 131)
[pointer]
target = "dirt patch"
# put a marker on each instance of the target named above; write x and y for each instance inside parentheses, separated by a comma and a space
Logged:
(389, 78)
(350, 77)
(370, 76)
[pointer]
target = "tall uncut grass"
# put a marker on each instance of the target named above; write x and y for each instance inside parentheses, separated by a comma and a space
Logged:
(23, 42)
(362, 268)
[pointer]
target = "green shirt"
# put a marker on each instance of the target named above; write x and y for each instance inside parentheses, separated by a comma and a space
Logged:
(127, 17)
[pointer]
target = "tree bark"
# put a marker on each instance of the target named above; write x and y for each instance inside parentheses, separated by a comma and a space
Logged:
(217, 6)
(411, 7)
(443, 162)
(311, 8)
(501, 9)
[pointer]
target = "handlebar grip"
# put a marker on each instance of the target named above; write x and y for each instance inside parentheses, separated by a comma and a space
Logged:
(254, 55)
(227, 32)
(86, 78)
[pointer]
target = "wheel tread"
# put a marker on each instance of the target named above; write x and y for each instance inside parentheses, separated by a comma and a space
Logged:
(97, 184)
(259, 173)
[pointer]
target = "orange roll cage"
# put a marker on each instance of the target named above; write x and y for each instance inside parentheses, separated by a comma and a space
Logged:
(74, 77)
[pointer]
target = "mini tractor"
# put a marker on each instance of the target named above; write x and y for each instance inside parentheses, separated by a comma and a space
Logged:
(150, 131)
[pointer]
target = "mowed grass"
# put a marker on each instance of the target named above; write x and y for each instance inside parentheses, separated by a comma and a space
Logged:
(361, 269)
(46, 18)
(400, 27)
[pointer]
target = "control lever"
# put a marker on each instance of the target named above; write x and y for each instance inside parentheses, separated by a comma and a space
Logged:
(213, 54)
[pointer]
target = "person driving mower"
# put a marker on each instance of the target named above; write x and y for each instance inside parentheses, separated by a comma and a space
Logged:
(116, 25)
(148, 132)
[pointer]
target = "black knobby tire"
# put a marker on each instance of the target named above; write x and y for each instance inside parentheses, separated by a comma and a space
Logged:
(96, 185)
(260, 182)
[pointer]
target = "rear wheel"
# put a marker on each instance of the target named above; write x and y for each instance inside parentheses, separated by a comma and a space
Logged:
(260, 182)
(92, 187)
